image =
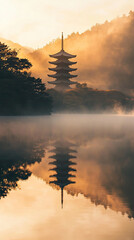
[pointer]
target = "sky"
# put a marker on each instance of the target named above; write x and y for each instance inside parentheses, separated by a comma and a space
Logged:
(34, 23)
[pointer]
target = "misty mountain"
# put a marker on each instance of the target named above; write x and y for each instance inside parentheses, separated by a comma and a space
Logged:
(105, 55)
(22, 51)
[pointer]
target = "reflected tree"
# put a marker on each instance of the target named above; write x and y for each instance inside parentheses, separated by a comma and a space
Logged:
(15, 156)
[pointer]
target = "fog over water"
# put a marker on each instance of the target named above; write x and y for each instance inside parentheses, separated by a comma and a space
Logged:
(89, 157)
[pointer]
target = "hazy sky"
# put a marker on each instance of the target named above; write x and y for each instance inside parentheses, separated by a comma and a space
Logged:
(36, 22)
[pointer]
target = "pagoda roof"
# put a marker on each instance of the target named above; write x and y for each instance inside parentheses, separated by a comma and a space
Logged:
(67, 163)
(64, 61)
(62, 175)
(60, 149)
(62, 53)
(62, 75)
(62, 184)
(58, 68)
(60, 170)
(61, 156)
(65, 83)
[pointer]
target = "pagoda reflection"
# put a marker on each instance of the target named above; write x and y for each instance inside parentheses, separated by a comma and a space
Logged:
(63, 166)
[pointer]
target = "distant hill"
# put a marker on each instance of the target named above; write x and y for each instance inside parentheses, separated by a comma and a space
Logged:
(105, 55)
(23, 51)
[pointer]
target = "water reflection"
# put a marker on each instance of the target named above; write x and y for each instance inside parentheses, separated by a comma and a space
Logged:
(63, 165)
(105, 156)
(16, 154)
(104, 150)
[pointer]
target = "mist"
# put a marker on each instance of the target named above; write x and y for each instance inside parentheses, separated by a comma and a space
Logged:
(105, 55)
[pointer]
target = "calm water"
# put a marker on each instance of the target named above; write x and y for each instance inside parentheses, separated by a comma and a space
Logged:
(67, 177)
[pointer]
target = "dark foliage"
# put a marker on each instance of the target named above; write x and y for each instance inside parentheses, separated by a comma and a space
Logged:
(20, 93)
(9, 60)
(15, 156)
(84, 99)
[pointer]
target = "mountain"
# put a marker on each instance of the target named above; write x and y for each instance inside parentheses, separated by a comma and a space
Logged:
(22, 51)
(105, 55)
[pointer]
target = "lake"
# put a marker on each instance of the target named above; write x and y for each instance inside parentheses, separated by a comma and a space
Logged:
(66, 177)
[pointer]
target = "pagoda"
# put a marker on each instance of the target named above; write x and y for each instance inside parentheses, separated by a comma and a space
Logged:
(62, 70)
(62, 166)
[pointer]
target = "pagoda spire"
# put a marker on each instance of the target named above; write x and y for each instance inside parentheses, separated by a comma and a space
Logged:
(62, 43)
(62, 76)
(61, 197)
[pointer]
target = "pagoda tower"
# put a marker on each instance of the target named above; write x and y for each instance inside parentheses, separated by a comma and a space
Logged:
(62, 167)
(62, 70)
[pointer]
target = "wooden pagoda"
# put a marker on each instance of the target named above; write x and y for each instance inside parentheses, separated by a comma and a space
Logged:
(62, 70)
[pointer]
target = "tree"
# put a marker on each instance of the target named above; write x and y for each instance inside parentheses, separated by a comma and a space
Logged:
(9, 60)
(20, 93)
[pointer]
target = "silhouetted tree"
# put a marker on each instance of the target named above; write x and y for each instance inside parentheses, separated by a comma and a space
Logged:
(9, 60)
(20, 93)
(85, 99)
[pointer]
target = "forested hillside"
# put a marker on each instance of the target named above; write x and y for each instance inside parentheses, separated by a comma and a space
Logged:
(105, 55)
